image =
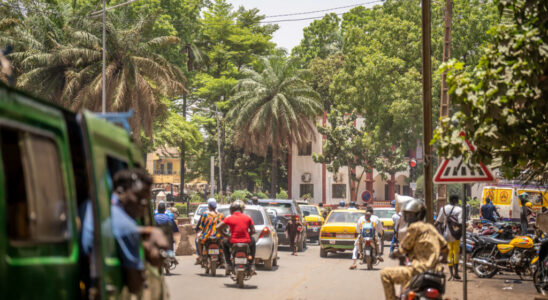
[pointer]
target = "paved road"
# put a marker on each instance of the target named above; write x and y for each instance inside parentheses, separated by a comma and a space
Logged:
(306, 276)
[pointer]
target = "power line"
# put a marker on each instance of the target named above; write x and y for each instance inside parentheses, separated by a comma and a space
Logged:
(323, 10)
(294, 20)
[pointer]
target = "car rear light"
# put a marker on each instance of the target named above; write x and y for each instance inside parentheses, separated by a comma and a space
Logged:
(368, 242)
(265, 232)
(240, 254)
(328, 234)
(432, 293)
(288, 216)
(213, 246)
(411, 295)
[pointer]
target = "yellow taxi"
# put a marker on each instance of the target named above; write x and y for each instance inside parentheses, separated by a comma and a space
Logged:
(314, 220)
(385, 215)
(338, 232)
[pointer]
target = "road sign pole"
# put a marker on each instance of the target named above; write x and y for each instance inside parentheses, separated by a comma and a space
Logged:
(464, 217)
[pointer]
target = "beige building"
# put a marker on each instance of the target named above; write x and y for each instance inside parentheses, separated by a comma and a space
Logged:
(164, 164)
(307, 177)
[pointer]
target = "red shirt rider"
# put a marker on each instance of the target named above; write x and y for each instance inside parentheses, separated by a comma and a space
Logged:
(239, 227)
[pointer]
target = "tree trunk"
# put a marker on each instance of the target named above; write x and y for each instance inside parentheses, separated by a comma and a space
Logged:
(350, 181)
(274, 174)
(358, 186)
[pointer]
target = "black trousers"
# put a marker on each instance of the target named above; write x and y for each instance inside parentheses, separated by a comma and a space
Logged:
(226, 250)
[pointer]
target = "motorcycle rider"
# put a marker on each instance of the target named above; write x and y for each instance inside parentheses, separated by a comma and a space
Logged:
(379, 229)
(488, 211)
(342, 205)
(241, 231)
(422, 244)
(207, 225)
(451, 210)
(166, 222)
(526, 211)
(359, 225)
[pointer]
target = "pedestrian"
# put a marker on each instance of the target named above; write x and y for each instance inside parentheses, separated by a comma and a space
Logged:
(395, 219)
(488, 211)
(292, 231)
(450, 219)
(526, 211)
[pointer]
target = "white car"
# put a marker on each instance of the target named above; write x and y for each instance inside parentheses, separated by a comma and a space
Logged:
(198, 213)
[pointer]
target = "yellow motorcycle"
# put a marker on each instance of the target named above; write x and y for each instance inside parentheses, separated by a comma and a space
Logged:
(494, 255)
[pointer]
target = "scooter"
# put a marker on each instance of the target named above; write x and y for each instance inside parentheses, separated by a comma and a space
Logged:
(368, 246)
(242, 263)
(170, 262)
(428, 285)
(212, 257)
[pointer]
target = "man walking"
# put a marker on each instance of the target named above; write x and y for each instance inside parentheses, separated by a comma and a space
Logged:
(450, 217)
(395, 219)
(292, 231)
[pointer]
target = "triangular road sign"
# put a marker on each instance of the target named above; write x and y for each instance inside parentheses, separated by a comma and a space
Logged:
(456, 171)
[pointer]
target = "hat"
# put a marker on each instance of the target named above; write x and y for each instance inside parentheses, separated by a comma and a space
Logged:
(211, 202)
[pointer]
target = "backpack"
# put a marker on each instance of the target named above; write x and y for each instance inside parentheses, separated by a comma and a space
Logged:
(455, 228)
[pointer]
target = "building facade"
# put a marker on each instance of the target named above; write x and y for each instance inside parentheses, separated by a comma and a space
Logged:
(164, 164)
(307, 178)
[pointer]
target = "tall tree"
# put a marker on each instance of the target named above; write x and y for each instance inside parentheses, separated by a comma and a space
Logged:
(320, 39)
(272, 108)
(502, 102)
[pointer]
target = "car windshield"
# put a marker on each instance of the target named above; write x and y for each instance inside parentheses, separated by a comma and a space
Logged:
(344, 217)
(309, 208)
(385, 213)
(200, 210)
(255, 215)
(280, 208)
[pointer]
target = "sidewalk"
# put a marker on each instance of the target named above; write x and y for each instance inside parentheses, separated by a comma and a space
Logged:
(499, 287)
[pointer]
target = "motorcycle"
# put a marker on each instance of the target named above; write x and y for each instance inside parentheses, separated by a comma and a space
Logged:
(494, 254)
(540, 266)
(212, 257)
(429, 285)
(368, 246)
(242, 263)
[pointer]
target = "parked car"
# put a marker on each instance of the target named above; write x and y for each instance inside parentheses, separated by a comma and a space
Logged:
(339, 231)
(385, 214)
(265, 236)
(280, 210)
(314, 221)
(197, 214)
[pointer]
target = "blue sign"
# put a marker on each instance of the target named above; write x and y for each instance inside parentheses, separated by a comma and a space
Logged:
(366, 196)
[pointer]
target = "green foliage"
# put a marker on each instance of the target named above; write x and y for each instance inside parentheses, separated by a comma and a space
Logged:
(177, 132)
(320, 39)
(261, 195)
(240, 195)
(181, 208)
(282, 194)
(502, 101)
(196, 197)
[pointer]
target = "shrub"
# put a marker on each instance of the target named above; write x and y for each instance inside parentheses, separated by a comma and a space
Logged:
(282, 194)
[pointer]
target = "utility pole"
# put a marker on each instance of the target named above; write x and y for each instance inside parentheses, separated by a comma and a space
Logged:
(212, 178)
(427, 107)
(182, 163)
(220, 157)
(104, 91)
(444, 101)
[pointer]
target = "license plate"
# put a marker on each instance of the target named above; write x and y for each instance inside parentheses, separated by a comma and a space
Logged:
(213, 251)
(240, 260)
(345, 236)
(367, 252)
(332, 242)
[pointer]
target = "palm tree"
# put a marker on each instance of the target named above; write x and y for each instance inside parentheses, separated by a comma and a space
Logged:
(62, 62)
(272, 108)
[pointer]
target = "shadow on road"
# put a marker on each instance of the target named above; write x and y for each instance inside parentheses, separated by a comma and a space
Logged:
(246, 286)
(208, 275)
(340, 255)
(172, 274)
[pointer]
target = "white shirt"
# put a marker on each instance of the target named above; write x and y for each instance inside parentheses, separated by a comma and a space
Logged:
(446, 211)
(374, 219)
(396, 218)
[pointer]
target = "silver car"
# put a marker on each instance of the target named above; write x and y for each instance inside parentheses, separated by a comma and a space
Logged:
(265, 234)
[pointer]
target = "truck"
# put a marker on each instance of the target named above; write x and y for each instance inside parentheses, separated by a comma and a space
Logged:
(505, 197)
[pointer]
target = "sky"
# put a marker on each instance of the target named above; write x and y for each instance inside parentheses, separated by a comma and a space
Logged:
(290, 33)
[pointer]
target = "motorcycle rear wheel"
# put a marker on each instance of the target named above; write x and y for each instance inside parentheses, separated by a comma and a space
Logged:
(212, 267)
(240, 279)
(481, 270)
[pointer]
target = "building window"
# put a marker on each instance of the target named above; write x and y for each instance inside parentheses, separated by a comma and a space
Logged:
(406, 190)
(158, 167)
(338, 191)
(306, 189)
(385, 192)
(34, 188)
(397, 189)
(169, 168)
(306, 149)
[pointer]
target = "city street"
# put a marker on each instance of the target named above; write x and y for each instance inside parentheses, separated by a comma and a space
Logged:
(306, 276)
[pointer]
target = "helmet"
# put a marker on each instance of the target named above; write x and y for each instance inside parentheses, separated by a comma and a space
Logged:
(413, 211)
(211, 202)
(342, 204)
(523, 196)
(237, 205)
(528, 204)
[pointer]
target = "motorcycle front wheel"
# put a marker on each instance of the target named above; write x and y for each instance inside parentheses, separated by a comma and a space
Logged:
(481, 270)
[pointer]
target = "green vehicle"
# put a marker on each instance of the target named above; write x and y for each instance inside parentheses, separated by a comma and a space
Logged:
(51, 162)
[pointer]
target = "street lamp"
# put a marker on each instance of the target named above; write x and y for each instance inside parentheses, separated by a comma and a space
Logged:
(103, 12)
